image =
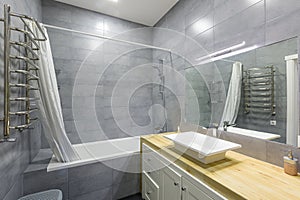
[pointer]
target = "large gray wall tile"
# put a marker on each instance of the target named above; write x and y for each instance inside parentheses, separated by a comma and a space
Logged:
(195, 10)
(224, 9)
(275, 153)
(16, 190)
(76, 174)
(126, 189)
(238, 28)
(248, 145)
(40, 180)
(90, 184)
(103, 194)
(283, 27)
(279, 9)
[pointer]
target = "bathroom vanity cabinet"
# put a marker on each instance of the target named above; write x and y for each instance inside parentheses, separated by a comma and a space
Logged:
(168, 175)
(163, 180)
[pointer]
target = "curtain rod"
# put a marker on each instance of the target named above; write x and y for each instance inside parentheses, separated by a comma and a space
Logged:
(105, 37)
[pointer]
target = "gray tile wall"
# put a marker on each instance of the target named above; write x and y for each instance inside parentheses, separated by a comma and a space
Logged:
(15, 157)
(214, 24)
(105, 86)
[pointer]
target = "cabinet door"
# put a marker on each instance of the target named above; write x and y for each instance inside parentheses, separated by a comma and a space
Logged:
(170, 184)
(151, 164)
(154, 174)
(191, 192)
(150, 188)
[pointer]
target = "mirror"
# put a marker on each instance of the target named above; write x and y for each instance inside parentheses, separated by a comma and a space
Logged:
(267, 103)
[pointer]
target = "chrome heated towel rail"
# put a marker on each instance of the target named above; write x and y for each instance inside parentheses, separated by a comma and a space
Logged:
(27, 56)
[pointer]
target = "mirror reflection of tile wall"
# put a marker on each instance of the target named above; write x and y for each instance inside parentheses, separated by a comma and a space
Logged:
(205, 89)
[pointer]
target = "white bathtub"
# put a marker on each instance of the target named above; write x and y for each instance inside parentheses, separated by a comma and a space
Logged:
(252, 133)
(99, 151)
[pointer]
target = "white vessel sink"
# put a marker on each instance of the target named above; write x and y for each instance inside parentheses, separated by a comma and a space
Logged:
(204, 148)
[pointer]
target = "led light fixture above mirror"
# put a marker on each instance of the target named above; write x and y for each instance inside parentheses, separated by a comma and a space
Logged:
(225, 53)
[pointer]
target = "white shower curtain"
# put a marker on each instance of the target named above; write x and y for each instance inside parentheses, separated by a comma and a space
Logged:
(233, 99)
(50, 112)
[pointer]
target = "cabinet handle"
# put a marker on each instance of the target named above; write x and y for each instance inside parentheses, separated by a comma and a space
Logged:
(149, 192)
(183, 189)
(176, 184)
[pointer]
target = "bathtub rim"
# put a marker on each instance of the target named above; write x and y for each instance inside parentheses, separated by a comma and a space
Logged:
(256, 134)
(54, 165)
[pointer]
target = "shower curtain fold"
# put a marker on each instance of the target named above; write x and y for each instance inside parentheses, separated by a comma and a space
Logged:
(233, 99)
(49, 105)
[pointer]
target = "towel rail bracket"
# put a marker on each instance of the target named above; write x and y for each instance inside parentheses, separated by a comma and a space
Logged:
(10, 139)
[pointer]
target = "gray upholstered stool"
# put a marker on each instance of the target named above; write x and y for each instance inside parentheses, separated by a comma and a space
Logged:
(45, 195)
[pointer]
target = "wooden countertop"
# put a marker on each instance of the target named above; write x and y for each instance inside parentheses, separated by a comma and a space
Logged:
(236, 177)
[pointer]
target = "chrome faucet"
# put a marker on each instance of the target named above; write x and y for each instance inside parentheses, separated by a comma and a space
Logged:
(226, 125)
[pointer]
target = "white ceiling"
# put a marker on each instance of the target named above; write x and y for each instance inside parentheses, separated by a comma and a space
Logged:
(147, 12)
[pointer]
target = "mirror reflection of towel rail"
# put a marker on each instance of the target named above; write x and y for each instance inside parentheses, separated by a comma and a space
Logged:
(261, 73)
(257, 83)
(260, 76)
(258, 94)
(265, 110)
(258, 89)
(261, 80)
(255, 69)
(258, 99)
(263, 105)
(261, 111)
(260, 69)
